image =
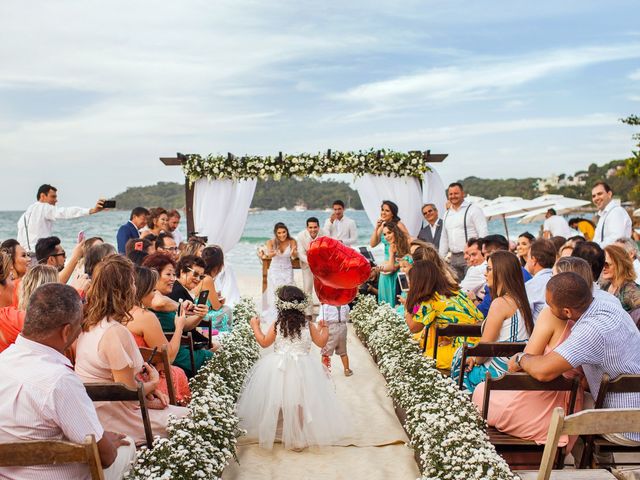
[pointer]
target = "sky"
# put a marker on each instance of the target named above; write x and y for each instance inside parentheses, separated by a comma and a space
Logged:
(93, 93)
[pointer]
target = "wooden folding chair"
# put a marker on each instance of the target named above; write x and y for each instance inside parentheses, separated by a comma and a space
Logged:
(597, 445)
(187, 340)
(510, 445)
(119, 392)
(586, 422)
(162, 364)
(52, 452)
(454, 330)
(494, 349)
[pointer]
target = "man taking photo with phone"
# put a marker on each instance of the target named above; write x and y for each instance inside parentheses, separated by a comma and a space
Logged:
(37, 221)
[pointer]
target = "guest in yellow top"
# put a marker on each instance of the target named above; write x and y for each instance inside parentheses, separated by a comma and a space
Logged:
(435, 301)
(584, 226)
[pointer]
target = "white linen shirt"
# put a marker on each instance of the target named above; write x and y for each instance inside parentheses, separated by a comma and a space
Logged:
(455, 241)
(303, 239)
(333, 314)
(558, 226)
(475, 278)
(43, 399)
(613, 223)
(38, 220)
(344, 230)
(536, 289)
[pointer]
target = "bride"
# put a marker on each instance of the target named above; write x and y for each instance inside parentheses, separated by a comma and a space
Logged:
(281, 250)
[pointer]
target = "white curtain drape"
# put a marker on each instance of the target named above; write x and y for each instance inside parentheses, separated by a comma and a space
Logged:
(434, 191)
(220, 210)
(403, 191)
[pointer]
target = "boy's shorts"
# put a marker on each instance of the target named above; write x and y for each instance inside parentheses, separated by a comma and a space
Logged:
(337, 341)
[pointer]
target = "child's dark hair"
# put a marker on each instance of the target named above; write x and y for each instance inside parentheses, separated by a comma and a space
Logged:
(290, 321)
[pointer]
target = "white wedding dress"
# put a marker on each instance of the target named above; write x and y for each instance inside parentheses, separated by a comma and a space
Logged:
(287, 396)
(280, 273)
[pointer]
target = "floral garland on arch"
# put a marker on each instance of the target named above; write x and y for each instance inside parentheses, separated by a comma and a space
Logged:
(445, 428)
(377, 162)
(201, 444)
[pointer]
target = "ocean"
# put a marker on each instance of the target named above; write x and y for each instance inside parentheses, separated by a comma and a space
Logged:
(243, 258)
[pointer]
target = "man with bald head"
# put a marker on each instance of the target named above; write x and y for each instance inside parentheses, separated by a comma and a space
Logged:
(603, 340)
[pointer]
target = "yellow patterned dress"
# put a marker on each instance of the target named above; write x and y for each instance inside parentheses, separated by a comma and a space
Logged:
(439, 312)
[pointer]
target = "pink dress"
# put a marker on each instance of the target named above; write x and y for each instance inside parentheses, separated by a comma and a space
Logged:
(527, 415)
(110, 346)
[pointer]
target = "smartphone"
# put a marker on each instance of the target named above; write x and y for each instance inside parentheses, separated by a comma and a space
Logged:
(153, 354)
(81, 236)
(366, 253)
(403, 281)
(109, 204)
(202, 298)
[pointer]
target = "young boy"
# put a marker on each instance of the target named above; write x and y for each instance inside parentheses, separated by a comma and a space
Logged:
(336, 319)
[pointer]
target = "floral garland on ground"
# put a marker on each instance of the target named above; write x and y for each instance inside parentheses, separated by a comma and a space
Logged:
(201, 444)
(445, 427)
(377, 162)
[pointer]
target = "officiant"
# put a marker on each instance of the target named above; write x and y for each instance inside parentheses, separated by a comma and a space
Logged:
(432, 231)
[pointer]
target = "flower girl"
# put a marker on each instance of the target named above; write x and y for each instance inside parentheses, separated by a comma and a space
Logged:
(287, 395)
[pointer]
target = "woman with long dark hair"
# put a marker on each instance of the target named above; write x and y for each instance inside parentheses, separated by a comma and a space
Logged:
(281, 249)
(508, 320)
(435, 301)
(396, 246)
(523, 246)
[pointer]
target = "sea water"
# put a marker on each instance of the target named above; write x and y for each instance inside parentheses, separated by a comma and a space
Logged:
(258, 229)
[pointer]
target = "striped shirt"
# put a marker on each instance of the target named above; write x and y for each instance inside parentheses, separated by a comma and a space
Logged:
(43, 399)
(605, 340)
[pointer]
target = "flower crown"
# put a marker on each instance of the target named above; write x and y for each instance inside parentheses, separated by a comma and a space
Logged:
(294, 305)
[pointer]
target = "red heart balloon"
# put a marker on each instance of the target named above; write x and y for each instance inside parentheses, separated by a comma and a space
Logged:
(334, 296)
(337, 265)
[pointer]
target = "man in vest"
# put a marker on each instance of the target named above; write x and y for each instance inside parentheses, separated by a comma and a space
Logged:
(433, 231)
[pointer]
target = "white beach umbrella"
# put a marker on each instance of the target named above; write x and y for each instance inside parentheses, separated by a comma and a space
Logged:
(514, 206)
(636, 212)
(562, 206)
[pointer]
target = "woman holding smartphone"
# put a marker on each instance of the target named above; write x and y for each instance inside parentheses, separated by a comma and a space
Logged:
(220, 315)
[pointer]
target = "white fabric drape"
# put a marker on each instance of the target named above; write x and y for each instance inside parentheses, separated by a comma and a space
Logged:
(434, 191)
(403, 191)
(220, 210)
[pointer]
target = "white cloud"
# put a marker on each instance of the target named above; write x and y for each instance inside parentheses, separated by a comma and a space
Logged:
(635, 75)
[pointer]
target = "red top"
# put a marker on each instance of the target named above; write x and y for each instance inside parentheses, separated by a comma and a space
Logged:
(11, 323)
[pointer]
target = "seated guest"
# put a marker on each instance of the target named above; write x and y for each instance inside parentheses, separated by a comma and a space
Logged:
(474, 279)
(582, 268)
(190, 272)
(618, 278)
(524, 245)
(593, 254)
(11, 319)
(79, 275)
(95, 255)
(167, 245)
(49, 251)
(166, 269)
(36, 276)
(156, 222)
(558, 242)
(145, 245)
(107, 352)
(137, 257)
(193, 247)
(509, 318)
(147, 332)
(433, 301)
(20, 263)
(173, 221)
(631, 247)
(490, 244)
(542, 256)
(44, 399)
(527, 414)
(601, 341)
(131, 229)
(220, 314)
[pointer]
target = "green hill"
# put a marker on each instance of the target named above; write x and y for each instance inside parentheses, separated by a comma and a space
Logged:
(270, 194)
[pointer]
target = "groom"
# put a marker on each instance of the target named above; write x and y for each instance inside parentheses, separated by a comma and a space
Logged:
(304, 239)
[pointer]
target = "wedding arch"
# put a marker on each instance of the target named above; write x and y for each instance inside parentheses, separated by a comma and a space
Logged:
(219, 188)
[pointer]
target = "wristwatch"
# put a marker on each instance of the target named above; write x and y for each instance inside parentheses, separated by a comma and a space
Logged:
(519, 358)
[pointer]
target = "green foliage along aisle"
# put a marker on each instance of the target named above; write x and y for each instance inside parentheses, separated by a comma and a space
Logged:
(445, 428)
(201, 445)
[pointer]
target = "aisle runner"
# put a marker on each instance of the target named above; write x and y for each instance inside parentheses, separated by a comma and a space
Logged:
(376, 448)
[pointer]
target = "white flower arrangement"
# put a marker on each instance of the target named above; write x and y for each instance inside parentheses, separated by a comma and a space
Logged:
(377, 162)
(201, 444)
(445, 428)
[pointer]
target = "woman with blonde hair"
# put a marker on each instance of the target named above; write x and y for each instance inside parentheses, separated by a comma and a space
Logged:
(107, 352)
(38, 275)
(619, 279)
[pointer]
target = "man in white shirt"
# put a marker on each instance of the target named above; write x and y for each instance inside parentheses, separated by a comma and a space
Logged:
(304, 239)
(433, 231)
(613, 220)
(556, 225)
(37, 221)
(173, 221)
(540, 260)
(632, 250)
(340, 227)
(475, 278)
(43, 398)
(462, 221)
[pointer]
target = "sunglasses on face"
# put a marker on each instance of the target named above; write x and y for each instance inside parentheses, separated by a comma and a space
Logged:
(427, 212)
(197, 275)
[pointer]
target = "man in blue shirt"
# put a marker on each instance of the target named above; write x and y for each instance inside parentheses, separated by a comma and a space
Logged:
(540, 261)
(131, 229)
